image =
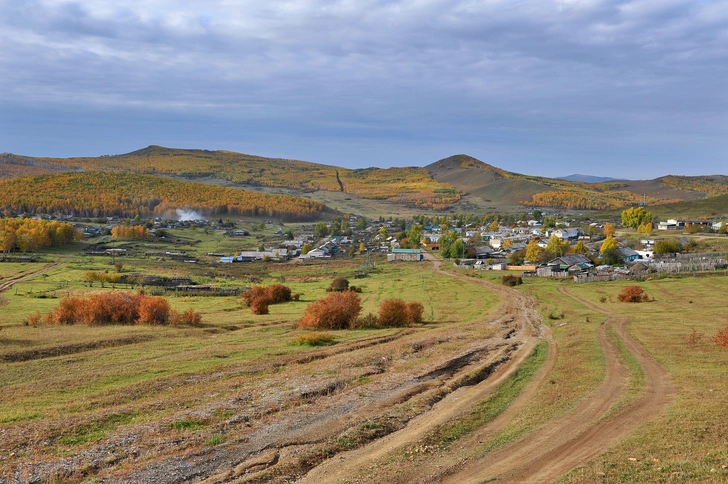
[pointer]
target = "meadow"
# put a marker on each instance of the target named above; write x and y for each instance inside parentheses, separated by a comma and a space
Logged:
(82, 403)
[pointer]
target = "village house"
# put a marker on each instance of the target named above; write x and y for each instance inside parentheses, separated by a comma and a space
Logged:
(405, 255)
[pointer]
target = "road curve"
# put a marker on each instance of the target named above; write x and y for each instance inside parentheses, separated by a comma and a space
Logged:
(555, 449)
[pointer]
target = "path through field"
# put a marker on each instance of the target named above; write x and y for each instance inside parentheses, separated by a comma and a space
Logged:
(8, 284)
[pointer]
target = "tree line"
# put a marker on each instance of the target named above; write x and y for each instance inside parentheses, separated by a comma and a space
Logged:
(29, 235)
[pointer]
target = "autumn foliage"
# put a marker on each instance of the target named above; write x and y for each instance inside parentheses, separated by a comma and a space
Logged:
(395, 312)
(258, 298)
(118, 308)
(632, 294)
(129, 232)
(95, 194)
(721, 337)
(338, 310)
(30, 234)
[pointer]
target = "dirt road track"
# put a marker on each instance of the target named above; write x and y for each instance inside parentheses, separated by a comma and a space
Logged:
(345, 467)
(8, 284)
(560, 446)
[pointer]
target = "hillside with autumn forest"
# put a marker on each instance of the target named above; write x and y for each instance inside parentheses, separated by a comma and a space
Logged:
(456, 182)
(93, 194)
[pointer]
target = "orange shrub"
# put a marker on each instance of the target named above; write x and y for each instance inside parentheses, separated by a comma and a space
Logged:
(191, 317)
(259, 298)
(252, 293)
(278, 293)
(392, 312)
(154, 310)
(259, 305)
(632, 294)
(338, 310)
(721, 337)
(415, 311)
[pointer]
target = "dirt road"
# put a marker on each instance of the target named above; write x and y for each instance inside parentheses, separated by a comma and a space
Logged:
(560, 446)
(348, 466)
(8, 284)
(544, 455)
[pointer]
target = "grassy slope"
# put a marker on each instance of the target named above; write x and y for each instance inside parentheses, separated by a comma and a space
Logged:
(437, 186)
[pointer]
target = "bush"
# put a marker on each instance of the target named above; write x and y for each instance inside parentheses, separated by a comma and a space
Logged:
(632, 294)
(259, 305)
(154, 310)
(338, 285)
(392, 312)
(192, 318)
(116, 308)
(415, 311)
(259, 298)
(338, 310)
(33, 319)
(511, 280)
(252, 293)
(721, 337)
(278, 293)
(668, 246)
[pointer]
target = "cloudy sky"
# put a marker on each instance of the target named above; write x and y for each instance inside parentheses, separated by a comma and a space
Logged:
(632, 89)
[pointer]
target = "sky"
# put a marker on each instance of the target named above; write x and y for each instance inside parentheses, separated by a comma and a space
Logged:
(627, 89)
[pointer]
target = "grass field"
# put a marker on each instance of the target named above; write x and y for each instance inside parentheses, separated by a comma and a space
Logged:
(68, 388)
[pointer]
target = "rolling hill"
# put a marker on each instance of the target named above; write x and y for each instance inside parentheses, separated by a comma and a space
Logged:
(95, 194)
(459, 182)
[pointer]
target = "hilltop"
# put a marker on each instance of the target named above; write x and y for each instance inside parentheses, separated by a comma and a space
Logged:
(460, 182)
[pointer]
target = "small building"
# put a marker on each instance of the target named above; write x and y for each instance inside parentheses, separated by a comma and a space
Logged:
(405, 254)
(567, 234)
(628, 255)
(567, 261)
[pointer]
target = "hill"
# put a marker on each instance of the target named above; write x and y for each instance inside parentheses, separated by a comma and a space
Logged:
(410, 186)
(459, 182)
(586, 178)
(94, 194)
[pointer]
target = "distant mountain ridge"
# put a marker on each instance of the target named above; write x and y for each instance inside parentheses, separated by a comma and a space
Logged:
(459, 182)
(587, 178)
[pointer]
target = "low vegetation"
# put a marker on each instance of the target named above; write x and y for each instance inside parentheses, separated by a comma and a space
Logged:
(258, 298)
(633, 294)
(120, 307)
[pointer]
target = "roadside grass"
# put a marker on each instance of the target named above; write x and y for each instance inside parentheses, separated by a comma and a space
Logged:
(687, 443)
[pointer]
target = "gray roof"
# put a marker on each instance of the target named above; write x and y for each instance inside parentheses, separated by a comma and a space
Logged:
(570, 260)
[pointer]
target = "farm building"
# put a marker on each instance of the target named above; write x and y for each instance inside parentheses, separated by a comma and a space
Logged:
(405, 254)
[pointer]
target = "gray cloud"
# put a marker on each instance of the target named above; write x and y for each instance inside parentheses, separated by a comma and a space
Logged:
(529, 82)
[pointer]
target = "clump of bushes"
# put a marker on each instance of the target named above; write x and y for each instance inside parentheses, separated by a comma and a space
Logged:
(258, 298)
(115, 308)
(338, 310)
(511, 280)
(395, 312)
(632, 294)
